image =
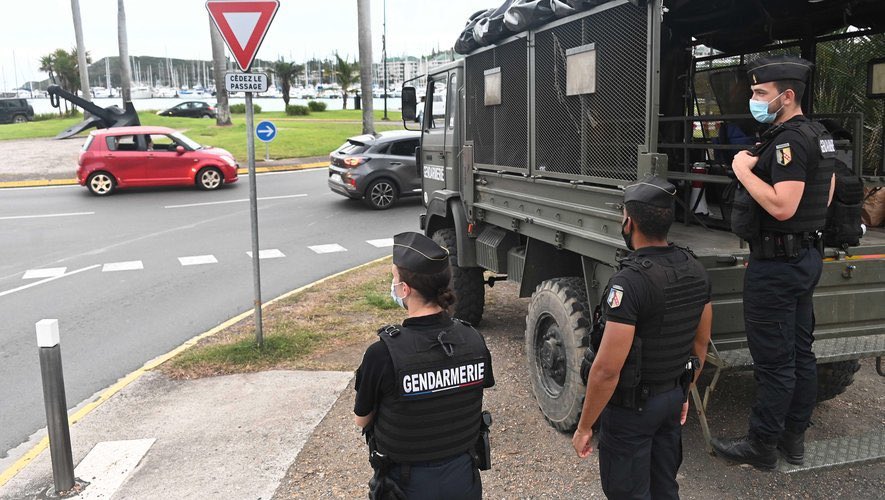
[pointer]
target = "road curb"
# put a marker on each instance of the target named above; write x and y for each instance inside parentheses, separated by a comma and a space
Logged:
(240, 171)
(31, 454)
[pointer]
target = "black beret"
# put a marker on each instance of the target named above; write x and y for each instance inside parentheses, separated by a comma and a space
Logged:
(777, 68)
(652, 190)
(418, 253)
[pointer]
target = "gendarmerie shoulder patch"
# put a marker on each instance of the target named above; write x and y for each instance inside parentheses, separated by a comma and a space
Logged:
(783, 154)
(438, 381)
(615, 296)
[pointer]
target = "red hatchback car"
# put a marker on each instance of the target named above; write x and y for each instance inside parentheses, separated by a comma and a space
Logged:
(124, 157)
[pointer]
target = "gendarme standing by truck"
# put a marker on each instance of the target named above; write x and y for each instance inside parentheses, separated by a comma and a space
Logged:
(552, 112)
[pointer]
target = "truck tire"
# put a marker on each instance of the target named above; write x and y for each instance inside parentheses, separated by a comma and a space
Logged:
(558, 318)
(834, 378)
(467, 282)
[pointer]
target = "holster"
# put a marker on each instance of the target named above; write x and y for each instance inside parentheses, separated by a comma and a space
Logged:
(483, 448)
(691, 367)
(381, 486)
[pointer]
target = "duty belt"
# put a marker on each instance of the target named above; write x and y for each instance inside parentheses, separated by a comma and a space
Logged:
(634, 398)
(775, 245)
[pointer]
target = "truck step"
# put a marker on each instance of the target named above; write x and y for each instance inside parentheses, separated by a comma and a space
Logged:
(826, 350)
(840, 451)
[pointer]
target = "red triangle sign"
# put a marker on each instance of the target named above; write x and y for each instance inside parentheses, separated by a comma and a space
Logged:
(243, 24)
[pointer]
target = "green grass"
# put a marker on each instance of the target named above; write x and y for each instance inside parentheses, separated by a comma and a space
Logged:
(283, 343)
(314, 135)
(300, 330)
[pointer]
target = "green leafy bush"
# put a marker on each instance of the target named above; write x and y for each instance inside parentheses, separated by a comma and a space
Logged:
(316, 106)
(240, 109)
(296, 110)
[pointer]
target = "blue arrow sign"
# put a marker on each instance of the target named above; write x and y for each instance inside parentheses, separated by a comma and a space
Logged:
(266, 131)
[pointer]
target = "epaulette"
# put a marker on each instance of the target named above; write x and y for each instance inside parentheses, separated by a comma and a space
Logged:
(465, 323)
(389, 330)
(687, 250)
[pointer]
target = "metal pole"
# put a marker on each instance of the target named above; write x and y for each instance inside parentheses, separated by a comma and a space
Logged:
(266, 151)
(253, 205)
(384, 56)
(56, 405)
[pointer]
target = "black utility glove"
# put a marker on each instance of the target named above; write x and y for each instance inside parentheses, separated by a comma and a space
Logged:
(586, 363)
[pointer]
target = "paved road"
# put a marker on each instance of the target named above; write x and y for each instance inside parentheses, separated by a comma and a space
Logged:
(109, 270)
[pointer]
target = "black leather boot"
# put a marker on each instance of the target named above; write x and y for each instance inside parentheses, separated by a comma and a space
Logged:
(792, 447)
(747, 450)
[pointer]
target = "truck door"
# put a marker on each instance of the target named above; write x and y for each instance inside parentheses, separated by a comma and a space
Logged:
(433, 135)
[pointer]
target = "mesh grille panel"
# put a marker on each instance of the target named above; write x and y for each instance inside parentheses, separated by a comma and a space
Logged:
(841, 88)
(499, 132)
(593, 134)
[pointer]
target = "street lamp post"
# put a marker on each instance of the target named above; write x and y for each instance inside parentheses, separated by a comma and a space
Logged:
(384, 58)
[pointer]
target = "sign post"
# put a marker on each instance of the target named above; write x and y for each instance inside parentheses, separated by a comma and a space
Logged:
(266, 132)
(243, 24)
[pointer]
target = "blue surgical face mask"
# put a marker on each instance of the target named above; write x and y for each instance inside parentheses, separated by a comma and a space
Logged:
(395, 297)
(759, 109)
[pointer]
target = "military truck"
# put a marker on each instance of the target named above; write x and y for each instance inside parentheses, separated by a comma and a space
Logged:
(524, 169)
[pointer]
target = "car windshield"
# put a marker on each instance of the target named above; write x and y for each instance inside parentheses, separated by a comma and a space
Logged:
(189, 143)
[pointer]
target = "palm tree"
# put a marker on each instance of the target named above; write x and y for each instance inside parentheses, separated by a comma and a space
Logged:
(81, 51)
(123, 41)
(222, 116)
(346, 74)
(286, 72)
(364, 22)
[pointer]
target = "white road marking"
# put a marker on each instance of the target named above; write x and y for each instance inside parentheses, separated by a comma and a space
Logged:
(234, 201)
(49, 272)
(43, 216)
(132, 265)
(272, 253)
(47, 280)
(197, 260)
(109, 465)
(382, 243)
(334, 247)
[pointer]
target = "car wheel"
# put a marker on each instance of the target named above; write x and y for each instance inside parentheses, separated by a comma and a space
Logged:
(381, 194)
(207, 115)
(101, 183)
(19, 119)
(209, 178)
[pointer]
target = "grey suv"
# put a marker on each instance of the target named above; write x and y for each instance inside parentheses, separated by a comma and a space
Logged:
(15, 111)
(378, 169)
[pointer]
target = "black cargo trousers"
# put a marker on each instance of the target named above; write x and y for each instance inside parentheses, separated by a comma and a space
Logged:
(779, 321)
(640, 451)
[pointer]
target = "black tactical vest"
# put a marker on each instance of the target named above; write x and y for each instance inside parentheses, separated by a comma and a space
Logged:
(682, 291)
(811, 215)
(439, 378)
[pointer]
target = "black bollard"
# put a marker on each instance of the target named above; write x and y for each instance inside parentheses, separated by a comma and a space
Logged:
(56, 405)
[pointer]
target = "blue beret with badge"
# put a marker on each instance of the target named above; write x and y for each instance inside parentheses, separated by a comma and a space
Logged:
(418, 253)
(652, 190)
(778, 68)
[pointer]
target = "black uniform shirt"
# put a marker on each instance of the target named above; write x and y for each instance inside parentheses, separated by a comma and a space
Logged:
(375, 377)
(631, 300)
(786, 157)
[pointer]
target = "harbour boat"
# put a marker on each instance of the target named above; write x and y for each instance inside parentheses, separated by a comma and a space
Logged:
(140, 92)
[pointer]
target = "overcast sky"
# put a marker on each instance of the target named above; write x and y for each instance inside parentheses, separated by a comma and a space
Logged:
(180, 28)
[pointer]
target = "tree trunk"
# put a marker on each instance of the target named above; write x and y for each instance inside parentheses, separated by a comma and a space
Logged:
(123, 41)
(219, 63)
(285, 85)
(344, 97)
(364, 21)
(85, 89)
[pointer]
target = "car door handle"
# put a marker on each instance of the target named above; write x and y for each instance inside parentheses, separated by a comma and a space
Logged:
(396, 163)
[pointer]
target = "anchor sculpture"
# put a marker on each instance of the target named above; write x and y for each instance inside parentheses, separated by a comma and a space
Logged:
(111, 116)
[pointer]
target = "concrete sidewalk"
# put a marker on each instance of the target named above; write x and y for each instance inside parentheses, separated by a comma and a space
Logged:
(231, 437)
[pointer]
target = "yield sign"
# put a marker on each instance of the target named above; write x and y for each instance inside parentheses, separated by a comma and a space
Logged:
(243, 24)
